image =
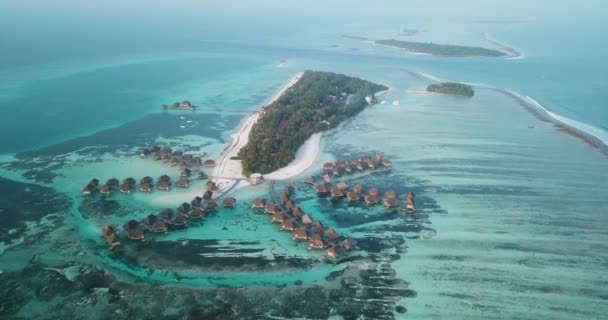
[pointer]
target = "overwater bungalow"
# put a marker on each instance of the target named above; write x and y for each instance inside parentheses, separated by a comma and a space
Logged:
(163, 186)
(130, 225)
(321, 190)
(278, 217)
(379, 157)
(144, 153)
(166, 214)
(310, 180)
(145, 187)
(317, 227)
(112, 183)
(211, 186)
(348, 243)
(328, 166)
(271, 209)
(366, 159)
(335, 251)
(209, 163)
(202, 175)
(185, 173)
(390, 194)
(210, 206)
(336, 172)
(126, 188)
(306, 219)
(150, 220)
(316, 242)
(353, 162)
(87, 191)
(105, 190)
(179, 221)
(358, 189)
(391, 202)
(136, 234)
(177, 153)
(159, 227)
(229, 202)
(340, 164)
(196, 202)
(196, 214)
(361, 166)
(300, 234)
(93, 183)
(207, 195)
(174, 162)
(183, 165)
(386, 163)
(336, 193)
(258, 203)
(110, 235)
(290, 205)
(410, 205)
(352, 196)
(297, 213)
(165, 178)
(331, 234)
(348, 169)
(165, 157)
(165, 150)
(131, 181)
(410, 195)
(371, 199)
(373, 192)
(288, 225)
(371, 165)
(146, 179)
(183, 208)
(183, 183)
(342, 185)
(326, 178)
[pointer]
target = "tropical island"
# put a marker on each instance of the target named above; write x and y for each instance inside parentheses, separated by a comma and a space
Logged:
(444, 50)
(453, 88)
(318, 101)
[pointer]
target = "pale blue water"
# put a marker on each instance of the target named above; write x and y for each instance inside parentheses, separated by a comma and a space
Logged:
(517, 215)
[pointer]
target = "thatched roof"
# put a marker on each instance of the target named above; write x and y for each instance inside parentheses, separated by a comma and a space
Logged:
(209, 163)
(379, 157)
(300, 234)
(130, 181)
(258, 203)
(278, 217)
(340, 163)
(146, 179)
(288, 225)
(306, 219)
(320, 188)
(182, 183)
(317, 227)
(316, 242)
(366, 159)
(163, 185)
(110, 236)
(207, 195)
(145, 187)
(179, 220)
(361, 166)
(229, 202)
(391, 202)
(328, 166)
(126, 188)
(331, 234)
(337, 193)
(159, 227)
(310, 180)
(353, 161)
(336, 172)
(342, 185)
(358, 189)
(186, 172)
(348, 243)
(130, 225)
(326, 178)
(105, 190)
(335, 251)
(390, 194)
(165, 150)
(136, 234)
(177, 153)
(93, 183)
(196, 202)
(371, 199)
(166, 214)
(348, 168)
(150, 219)
(112, 182)
(164, 177)
(353, 196)
(210, 206)
(373, 192)
(271, 208)
(196, 213)
(297, 213)
(386, 162)
(184, 207)
(411, 195)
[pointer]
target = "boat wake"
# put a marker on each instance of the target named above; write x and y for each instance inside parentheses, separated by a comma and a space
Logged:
(592, 135)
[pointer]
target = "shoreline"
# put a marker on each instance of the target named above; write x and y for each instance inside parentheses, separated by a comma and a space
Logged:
(227, 171)
(306, 156)
(510, 51)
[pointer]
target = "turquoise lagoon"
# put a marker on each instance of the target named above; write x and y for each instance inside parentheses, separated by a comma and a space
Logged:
(511, 212)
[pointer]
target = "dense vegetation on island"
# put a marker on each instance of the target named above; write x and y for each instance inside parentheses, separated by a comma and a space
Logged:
(317, 102)
(446, 50)
(454, 88)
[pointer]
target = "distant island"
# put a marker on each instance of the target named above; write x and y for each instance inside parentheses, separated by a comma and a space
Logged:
(408, 32)
(319, 101)
(453, 88)
(354, 37)
(445, 50)
(184, 105)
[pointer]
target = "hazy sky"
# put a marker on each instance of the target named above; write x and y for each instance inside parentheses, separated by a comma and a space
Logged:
(569, 10)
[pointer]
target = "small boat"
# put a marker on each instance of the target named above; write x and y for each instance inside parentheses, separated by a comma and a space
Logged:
(182, 118)
(189, 121)
(183, 127)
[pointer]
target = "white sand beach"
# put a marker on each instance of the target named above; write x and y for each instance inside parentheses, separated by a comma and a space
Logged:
(306, 156)
(228, 171)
